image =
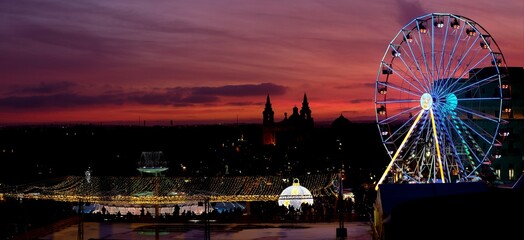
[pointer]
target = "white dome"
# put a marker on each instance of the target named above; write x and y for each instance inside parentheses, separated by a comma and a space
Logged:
(295, 195)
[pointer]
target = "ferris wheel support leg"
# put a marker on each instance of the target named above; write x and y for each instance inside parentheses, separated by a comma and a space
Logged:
(399, 148)
(437, 146)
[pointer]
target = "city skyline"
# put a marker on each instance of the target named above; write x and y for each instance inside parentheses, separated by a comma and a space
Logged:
(210, 61)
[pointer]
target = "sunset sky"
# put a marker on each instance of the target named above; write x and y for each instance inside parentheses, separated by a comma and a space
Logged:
(210, 61)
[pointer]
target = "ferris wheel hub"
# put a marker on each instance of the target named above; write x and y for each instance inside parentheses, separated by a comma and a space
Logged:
(426, 101)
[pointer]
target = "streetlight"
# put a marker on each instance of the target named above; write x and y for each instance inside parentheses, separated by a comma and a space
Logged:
(342, 232)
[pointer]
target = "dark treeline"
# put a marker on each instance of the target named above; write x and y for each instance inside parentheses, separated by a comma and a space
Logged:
(38, 153)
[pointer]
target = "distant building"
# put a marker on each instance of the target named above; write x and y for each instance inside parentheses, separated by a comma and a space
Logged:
(509, 164)
(341, 123)
(507, 158)
(291, 130)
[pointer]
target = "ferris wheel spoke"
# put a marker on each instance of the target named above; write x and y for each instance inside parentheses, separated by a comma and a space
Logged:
(479, 132)
(398, 101)
(432, 42)
(449, 74)
(464, 87)
(484, 99)
(425, 82)
(403, 129)
(452, 132)
(437, 145)
(414, 77)
(441, 68)
(450, 46)
(431, 72)
(474, 66)
(461, 59)
(467, 143)
(472, 113)
(401, 89)
(421, 80)
(491, 78)
(398, 115)
(399, 148)
(465, 63)
(476, 155)
(423, 52)
(463, 131)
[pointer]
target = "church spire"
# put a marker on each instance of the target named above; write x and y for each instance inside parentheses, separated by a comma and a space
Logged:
(268, 124)
(268, 114)
(305, 112)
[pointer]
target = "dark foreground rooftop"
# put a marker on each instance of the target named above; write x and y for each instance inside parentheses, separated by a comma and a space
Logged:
(444, 211)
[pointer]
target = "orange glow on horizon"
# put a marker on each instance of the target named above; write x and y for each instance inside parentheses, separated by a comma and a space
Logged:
(188, 115)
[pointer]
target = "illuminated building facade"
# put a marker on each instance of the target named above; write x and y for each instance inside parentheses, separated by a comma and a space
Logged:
(292, 130)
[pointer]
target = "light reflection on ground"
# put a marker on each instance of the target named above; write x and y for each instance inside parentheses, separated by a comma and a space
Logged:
(148, 231)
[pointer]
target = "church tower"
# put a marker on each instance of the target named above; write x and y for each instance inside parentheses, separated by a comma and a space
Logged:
(268, 124)
(305, 112)
(268, 114)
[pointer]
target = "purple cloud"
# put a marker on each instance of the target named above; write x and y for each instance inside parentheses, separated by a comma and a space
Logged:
(241, 90)
(57, 101)
(43, 88)
(360, 100)
(408, 10)
(357, 85)
(42, 98)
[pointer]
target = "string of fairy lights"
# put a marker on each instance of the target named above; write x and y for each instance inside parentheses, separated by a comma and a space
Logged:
(164, 190)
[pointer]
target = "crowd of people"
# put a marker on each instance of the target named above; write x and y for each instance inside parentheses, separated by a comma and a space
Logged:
(324, 209)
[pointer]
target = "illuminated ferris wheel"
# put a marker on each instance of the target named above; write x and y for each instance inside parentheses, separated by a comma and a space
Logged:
(440, 101)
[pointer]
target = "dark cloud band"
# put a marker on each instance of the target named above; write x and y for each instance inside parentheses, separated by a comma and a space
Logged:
(49, 96)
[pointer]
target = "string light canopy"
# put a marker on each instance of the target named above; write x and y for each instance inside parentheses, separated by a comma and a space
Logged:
(142, 190)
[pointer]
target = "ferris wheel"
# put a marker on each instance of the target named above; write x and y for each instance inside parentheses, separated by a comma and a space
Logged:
(441, 97)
